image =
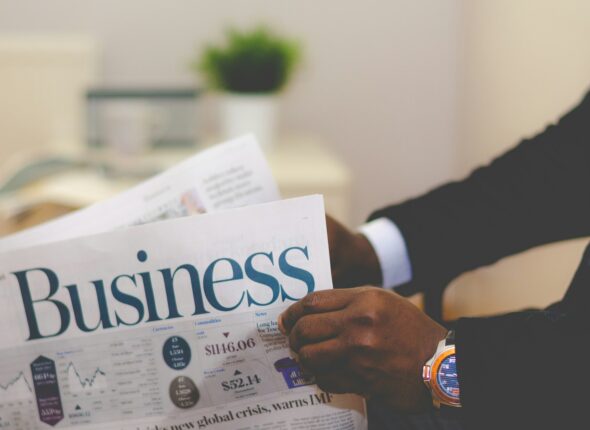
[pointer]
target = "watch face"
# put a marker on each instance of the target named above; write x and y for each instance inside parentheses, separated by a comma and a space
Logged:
(447, 377)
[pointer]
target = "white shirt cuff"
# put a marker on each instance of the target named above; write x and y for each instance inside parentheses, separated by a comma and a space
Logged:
(391, 250)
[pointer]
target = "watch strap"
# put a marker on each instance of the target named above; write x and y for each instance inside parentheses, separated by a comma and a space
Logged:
(450, 411)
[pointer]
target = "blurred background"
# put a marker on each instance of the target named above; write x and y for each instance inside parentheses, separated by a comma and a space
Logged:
(389, 99)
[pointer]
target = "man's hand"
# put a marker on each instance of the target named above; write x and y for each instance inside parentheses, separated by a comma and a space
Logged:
(352, 257)
(364, 340)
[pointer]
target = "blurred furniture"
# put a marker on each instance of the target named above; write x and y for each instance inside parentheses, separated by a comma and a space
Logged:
(135, 120)
(301, 165)
(29, 217)
(42, 85)
(304, 166)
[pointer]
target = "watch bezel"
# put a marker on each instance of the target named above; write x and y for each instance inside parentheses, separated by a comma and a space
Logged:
(440, 394)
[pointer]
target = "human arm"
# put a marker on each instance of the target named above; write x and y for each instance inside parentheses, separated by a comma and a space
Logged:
(534, 194)
(520, 370)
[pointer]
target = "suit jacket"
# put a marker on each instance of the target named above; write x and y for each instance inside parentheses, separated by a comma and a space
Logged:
(526, 368)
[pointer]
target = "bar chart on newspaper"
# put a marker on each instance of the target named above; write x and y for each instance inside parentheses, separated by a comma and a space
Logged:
(188, 365)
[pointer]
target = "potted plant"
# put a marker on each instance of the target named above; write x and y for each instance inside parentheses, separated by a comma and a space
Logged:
(250, 69)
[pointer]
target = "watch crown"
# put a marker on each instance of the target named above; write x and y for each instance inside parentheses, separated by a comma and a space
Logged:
(426, 373)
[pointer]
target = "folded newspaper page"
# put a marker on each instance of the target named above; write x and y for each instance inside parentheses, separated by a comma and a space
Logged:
(225, 176)
(170, 325)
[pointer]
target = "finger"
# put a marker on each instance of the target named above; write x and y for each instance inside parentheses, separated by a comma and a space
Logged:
(338, 381)
(323, 356)
(314, 329)
(341, 379)
(316, 302)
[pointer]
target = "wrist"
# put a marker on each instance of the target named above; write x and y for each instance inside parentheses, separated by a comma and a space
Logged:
(430, 345)
(367, 265)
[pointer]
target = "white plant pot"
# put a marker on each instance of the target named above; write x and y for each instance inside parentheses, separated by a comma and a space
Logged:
(257, 114)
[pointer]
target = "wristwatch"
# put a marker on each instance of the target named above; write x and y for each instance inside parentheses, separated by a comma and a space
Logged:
(440, 375)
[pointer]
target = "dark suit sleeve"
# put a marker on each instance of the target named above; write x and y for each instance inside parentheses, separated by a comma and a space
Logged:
(525, 369)
(538, 192)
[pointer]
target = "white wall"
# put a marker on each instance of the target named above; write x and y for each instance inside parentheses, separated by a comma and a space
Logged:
(378, 80)
(522, 65)
(409, 93)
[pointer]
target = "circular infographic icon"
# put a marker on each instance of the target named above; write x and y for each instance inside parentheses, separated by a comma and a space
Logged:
(177, 353)
(183, 392)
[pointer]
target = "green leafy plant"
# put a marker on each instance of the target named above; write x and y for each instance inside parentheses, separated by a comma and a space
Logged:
(256, 61)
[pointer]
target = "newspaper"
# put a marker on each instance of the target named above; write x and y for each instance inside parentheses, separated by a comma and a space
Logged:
(225, 176)
(171, 325)
(134, 338)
